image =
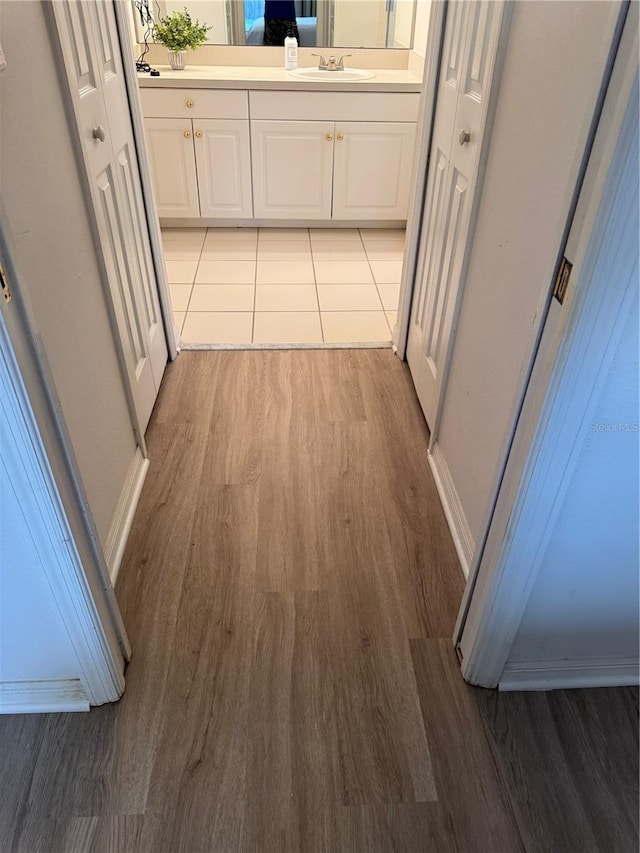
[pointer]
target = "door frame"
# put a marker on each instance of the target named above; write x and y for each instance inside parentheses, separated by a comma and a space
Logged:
(59, 518)
(148, 197)
(417, 252)
(545, 448)
(424, 134)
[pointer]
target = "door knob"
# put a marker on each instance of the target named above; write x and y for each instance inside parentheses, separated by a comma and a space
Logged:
(187, 134)
(340, 137)
(198, 134)
(98, 133)
(464, 136)
(329, 137)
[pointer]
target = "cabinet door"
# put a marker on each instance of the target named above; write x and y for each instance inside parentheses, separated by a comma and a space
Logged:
(173, 166)
(292, 169)
(372, 169)
(223, 160)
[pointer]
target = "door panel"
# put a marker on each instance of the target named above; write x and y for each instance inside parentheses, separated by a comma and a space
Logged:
(111, 226)
(173, 166)
(383, 149)
(292, 164)
(470, 48)
(141, 272)
(90, 48)
(79, 55)
(223, 162)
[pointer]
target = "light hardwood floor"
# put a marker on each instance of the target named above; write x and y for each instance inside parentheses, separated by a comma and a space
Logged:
(290, 589)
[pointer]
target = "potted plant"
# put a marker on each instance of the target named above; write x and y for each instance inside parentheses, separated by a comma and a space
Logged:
(179, 33)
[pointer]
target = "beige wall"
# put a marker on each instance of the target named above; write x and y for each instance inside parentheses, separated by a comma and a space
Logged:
(402, 35)
(553, 67)
(417, 55)
(56, 259)
(421, 27)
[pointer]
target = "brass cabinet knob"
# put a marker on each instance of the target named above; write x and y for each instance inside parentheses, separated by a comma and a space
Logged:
(198, 134)
(340, 137)
(189, 102)
(329, 137)
(187, 134)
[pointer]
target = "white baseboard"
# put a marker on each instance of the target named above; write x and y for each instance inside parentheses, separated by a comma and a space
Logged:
(123, 516)
(567, 674)
(456, 519)
(53, 696)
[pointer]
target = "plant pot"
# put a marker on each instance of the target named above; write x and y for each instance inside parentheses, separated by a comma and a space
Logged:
(178, 59)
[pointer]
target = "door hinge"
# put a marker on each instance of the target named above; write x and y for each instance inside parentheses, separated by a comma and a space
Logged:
(4, 285)
(562, 280)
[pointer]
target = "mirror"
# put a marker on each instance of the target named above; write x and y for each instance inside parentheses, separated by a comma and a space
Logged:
(320, 23)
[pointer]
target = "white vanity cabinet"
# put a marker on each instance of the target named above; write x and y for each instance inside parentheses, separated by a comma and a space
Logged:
(267, 154)
(341, 156)
(292, 169)
(372, 170)
(173, 166)
(201, 160)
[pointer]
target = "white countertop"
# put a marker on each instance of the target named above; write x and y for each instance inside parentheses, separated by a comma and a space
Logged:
(264, 77)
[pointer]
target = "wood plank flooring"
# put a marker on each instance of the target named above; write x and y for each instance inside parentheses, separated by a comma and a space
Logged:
(290, 589)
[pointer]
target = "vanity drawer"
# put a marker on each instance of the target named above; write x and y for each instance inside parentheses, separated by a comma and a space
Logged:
(334, 106)
(205, 103)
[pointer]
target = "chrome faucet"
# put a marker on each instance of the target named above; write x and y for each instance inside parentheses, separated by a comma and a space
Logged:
(331, 64)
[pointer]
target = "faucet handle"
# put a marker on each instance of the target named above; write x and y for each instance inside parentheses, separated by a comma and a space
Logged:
(342, 59)
(322, 62)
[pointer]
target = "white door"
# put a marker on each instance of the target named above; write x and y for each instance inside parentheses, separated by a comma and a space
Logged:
(173, 166)
(372, 169)
(292, 164)
(91, 53)
(470, 47)
(223, 161)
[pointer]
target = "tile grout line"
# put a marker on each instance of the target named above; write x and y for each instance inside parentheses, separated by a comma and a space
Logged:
(386, 319)
(195, 276)
(373, 277)
(255, 289)
(315, 281)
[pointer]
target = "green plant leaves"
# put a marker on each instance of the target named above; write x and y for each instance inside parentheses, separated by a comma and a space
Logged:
(179, 32)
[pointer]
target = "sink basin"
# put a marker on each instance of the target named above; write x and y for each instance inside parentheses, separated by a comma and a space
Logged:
(349, 75)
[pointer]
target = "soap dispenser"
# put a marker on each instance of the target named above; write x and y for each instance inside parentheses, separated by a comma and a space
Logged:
(290, 52)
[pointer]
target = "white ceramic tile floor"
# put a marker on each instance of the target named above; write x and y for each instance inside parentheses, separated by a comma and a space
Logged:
(226, 272)
(222, 297)
(354, 326)
(180, 294)
(286, 297)
(348, 297)
(178, 319)
(389, 294)
(287, 327)
(386, 272)
(284, 285)
(220, 327)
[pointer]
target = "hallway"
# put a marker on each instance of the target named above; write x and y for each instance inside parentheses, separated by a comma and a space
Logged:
(290, 589)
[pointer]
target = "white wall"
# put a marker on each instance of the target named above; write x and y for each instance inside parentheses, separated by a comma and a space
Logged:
(421, 27)
(360, 23)
(403, 23)
(213, 13)
(34, 644)
(418, 53)
(55, 255)
(553, 67)
(584, 603)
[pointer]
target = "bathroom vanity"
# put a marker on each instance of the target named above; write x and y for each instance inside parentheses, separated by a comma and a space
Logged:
(257, 145)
